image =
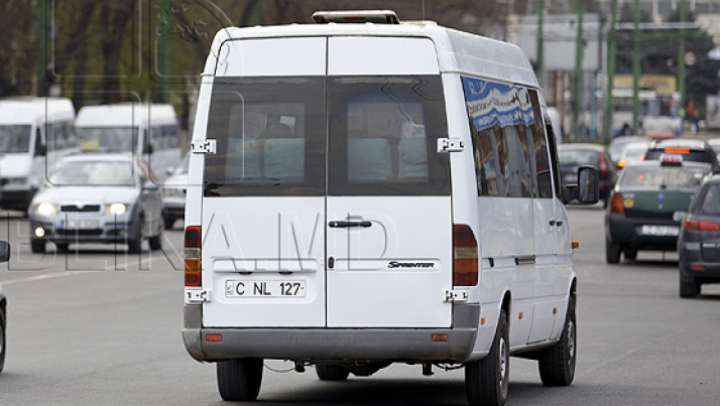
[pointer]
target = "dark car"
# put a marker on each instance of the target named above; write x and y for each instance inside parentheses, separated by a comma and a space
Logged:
(647, 195)
(694, 150)
(4, 257)
(573, 156)
(699, 241)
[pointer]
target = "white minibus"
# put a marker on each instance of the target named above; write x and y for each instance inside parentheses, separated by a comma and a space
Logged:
(368, 194)
(34, 133)
(148, 129)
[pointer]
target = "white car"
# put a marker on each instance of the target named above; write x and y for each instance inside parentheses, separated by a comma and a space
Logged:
(173, 194)
(4, 257)
(97, 198)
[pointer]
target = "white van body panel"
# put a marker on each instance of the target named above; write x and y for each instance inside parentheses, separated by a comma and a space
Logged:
(148, 119)
(22, 173)
(525, 259)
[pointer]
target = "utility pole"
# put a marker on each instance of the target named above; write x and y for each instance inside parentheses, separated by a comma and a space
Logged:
(681, 57)
(579, 47)
(42, 58)
(612, 51)
(162, 50)
(540, 42)
(636, 69)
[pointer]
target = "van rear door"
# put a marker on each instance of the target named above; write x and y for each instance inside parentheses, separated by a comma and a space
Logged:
(389, 218)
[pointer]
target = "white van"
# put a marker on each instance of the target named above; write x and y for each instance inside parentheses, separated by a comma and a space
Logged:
(148, 129)
(364, 194)
(34, 133)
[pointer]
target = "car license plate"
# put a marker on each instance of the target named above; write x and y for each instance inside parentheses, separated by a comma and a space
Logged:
(246, 288)
(661, 230)
(81, 224)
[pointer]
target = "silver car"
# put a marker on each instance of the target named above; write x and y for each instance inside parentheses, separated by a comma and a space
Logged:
(173, 191)
(97, 198)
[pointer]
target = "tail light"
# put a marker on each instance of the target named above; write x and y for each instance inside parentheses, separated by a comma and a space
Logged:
(701, 225)
(193, 265)
(465, 256)
(603, 165)
(616, 204)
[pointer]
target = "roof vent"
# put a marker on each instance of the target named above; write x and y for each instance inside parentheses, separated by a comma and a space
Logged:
(356, 16)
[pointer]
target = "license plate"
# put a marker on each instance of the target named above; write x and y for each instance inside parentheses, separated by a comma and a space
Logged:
(81, 224)
(661, 230)
(237, 288)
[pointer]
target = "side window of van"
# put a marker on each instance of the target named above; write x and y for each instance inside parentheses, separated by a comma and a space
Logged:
(502, 117)
(538, 144)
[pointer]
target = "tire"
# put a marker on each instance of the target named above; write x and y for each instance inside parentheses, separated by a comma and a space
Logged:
(134, 245)
(332, 372)
(612, 252)
(239, 379)
(61, 247)
(37, 247)
(3, 342)
(557, 363)
(168, 222)
(156, 241)
(486, 380)
(689, 287)
(630, 254)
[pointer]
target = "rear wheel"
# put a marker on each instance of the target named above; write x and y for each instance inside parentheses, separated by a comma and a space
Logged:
(630, 254)
(689, 287)
(134, 245)
(156, 241)
(612, 252)
(332, 372)
(37, 247)
(168, 222)
(486, 380)
(239, 379)
(557, 363)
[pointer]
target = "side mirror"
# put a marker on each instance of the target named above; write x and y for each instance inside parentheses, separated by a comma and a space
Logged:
(4, 251)
(587, 190)
(680, 216)
(588, 187)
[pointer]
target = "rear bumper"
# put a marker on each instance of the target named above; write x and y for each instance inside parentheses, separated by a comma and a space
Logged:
(320, 344)
(627, 232)
(692, 266)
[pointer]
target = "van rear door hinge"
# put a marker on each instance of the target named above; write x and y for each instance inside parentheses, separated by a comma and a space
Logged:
(450, 145)
(456, 295)
(195, 296)
(204, 147)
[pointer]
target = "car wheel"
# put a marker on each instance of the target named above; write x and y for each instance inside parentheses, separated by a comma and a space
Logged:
(134, 245)
(605, 202)
(557, 363)
(486, 380)
(612, 252)
(37, 247)
(156, 241)
(332, 372)
(61, 247)
(630, 254)
(239, 379)
(3, 343)
(168, 222)
(689, 287)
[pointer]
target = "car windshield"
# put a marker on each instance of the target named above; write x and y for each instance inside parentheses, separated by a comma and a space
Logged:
(634, 152)
(107, 139)
(578, 157)
(663, 177)
(14, 138)
(93, 173)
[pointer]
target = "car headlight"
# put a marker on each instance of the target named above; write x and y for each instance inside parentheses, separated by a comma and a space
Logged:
(116, 208)
(46, 209)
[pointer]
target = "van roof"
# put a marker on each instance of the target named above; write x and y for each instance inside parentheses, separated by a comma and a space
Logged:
(458, 52)
(36, 110)
(125, 115)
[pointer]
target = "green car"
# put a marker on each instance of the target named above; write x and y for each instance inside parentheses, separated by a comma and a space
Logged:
(640, 213)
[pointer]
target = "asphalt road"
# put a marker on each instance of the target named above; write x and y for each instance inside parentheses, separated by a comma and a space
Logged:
(98, 328)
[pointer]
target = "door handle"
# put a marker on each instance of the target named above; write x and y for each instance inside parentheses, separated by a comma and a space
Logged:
(554, 223)
(347, 224)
